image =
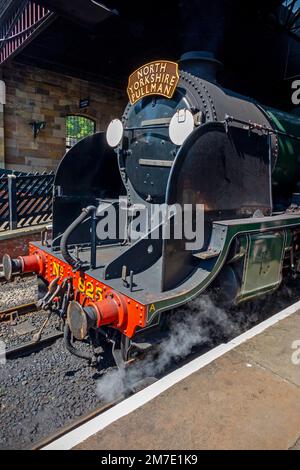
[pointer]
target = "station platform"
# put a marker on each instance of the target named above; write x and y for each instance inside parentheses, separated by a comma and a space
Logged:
(248, 397)
(15, 242)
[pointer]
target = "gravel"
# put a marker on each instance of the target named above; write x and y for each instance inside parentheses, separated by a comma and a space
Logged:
(14, 333)
(41, 393)
(45, 391)
(21, 291)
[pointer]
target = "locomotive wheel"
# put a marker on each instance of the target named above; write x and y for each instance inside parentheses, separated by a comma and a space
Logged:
(226, 287)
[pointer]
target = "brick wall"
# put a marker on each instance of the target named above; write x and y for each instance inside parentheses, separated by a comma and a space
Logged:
(18, 245)
(33, 94)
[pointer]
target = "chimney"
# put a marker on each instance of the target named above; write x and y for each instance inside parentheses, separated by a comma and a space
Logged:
(203, 64)
(203, 27)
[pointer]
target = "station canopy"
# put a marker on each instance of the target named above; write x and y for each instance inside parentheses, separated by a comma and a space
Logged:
(106, 40)
(88, 12)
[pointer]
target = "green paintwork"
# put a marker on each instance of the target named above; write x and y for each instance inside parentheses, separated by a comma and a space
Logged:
(287, 170)
(263, 264)
(262, 244)
(224, 232)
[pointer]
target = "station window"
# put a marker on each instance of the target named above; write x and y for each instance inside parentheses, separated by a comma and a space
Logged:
(78, 127)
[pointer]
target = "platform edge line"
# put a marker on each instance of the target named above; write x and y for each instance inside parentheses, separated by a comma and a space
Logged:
(97, 424)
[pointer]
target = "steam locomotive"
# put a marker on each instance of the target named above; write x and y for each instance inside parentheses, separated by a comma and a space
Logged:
(183, 139)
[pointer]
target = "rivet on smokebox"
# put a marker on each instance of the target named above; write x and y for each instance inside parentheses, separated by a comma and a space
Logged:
(128, 301)
(136, 306)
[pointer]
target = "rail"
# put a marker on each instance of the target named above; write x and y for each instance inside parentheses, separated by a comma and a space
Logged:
(29, 347)
(18, 311)
(73, 425)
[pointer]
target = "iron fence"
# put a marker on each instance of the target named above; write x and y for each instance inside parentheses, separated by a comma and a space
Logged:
(25, 200)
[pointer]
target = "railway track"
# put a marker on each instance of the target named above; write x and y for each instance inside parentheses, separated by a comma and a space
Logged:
(39, 445)
(41, 442)
(32, 440)
(18, 311)
(28, 347)
(3, 280)
(32, 346)
(74, 425)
